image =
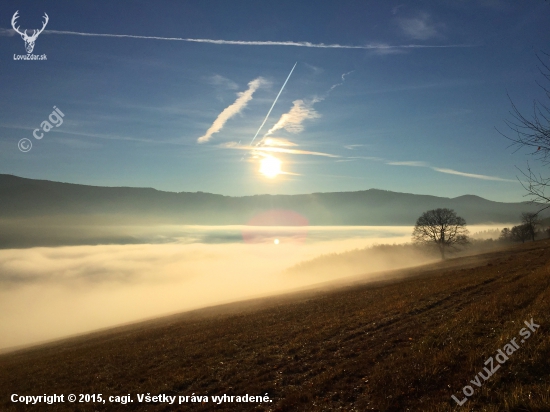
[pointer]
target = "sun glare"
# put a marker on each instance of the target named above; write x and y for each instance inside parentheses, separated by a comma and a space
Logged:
(270, 167)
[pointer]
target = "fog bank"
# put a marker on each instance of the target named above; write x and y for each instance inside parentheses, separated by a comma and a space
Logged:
(47, 293)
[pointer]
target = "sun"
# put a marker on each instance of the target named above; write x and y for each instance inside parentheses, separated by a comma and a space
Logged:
(270, 167)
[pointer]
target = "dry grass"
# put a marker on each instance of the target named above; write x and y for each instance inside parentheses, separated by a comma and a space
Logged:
(406, 345)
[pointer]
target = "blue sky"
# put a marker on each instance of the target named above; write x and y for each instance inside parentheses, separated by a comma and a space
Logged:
(380, 114)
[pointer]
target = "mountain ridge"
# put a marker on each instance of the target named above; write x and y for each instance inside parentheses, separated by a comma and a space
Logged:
(4, 176)
(26, 198)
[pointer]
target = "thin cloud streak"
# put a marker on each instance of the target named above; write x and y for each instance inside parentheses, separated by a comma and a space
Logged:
(7, 32)
(265, 43)
(232, 110)
(95, 135)
(413, 163)
(373, 158)
(472, 175)
(278, 141)
(334, 86)
(259, 149)
(294, 151)
(409, 163)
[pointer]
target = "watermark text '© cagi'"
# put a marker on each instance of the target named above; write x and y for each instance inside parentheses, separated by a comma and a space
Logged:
(55, 119)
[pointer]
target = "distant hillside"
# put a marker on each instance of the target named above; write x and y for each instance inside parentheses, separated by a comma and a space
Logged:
(26, 198)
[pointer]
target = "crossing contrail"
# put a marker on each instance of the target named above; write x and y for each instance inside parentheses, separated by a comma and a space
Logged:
(280, 91)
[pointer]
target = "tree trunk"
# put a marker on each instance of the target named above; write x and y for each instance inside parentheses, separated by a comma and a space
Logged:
(442, 244)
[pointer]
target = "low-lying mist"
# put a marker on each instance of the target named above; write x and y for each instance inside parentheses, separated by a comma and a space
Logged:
(376, 258)
(51, 292)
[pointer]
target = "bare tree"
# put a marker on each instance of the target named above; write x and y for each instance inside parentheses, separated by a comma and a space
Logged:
(520, 233)
(533, 132)
(531, 222)
(440, 227)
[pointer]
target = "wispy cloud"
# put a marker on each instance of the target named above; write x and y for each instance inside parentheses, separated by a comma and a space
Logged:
(395, 9)
(408, 163)
(334, 86)
(85, 134)
(421, 27)
(277, 141)
(302, 110)
(232, 110)
(77, 143)
(314, 69)
(7, 32)
(373, 158)
(472, 175)
(219, 80)
(262, 43)
(292, 121)
(346, 74)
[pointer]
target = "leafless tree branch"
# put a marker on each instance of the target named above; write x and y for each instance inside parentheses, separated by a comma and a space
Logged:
(533, 133)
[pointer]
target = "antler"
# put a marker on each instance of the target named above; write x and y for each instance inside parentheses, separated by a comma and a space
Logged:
(13, 22)
(36, 32)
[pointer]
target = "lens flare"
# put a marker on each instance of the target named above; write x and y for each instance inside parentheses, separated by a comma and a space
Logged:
(276, 226)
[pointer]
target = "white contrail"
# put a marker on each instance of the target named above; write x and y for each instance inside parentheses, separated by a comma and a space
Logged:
(265, 43)
(280, 91)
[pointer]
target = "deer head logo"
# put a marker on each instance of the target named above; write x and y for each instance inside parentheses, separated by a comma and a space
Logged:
(29, 40)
